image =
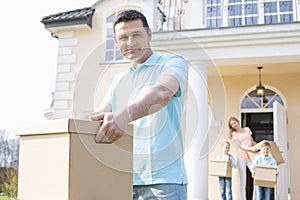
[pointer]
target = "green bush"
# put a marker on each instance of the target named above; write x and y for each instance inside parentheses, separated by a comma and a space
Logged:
(10, 186)
(4, 198)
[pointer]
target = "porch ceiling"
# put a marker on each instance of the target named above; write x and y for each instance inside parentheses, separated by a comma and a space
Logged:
(274, 68)
(238, 50)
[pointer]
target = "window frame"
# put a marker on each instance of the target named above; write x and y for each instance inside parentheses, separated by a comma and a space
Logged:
(259, 14)
(109, 37)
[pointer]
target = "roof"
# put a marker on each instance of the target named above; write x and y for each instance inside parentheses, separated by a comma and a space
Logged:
(76, 17)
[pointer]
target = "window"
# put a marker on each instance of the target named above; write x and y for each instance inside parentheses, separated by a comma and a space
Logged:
(250, 12)
(112, 52)
(253, 101)
(242, 12)
(286, 11)
(214, 13)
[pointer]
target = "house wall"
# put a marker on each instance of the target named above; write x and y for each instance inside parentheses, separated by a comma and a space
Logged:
(80, 64)
(235, 86)
(80, 72)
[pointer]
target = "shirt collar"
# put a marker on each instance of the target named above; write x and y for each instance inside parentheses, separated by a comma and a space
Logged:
(153, 59)
(266, 157)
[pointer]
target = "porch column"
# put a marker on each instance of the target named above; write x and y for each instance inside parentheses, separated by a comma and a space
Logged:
(196, 138)
(197, 12)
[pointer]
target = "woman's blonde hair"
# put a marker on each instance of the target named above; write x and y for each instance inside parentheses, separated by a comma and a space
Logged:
(229, 125)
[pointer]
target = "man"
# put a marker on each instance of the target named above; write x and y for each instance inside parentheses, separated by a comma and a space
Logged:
(151, 96)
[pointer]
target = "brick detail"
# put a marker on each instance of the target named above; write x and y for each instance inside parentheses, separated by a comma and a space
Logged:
(63, 95)
(64, 51)
(67, 42)
(60, 86)
(63, 77)
(60, 114)
(61, 105)
(63, 68)
(69, 59)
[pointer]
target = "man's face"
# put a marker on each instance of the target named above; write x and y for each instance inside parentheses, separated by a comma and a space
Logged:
(133, 40)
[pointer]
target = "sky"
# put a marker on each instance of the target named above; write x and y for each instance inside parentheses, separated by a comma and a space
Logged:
(28, 59)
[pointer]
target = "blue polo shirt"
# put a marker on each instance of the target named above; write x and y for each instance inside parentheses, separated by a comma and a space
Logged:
(263, 160)
(158, 144)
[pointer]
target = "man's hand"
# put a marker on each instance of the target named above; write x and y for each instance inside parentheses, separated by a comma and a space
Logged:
(112, 128)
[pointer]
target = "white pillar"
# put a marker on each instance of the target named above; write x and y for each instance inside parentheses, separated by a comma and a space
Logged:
(149, 9)
(197, 12)
(196, 134)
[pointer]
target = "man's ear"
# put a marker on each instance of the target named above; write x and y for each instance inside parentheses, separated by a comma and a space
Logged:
(116, 43)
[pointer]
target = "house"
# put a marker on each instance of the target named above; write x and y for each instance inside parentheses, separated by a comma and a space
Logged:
(224, 42)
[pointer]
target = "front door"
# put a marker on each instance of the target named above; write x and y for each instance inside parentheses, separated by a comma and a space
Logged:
(267, 118)
(261, 125)
(270, 126)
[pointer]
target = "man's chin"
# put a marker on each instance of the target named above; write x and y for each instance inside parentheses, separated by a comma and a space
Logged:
(133, 58)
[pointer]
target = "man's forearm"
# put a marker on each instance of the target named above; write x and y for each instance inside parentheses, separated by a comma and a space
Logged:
(103, 108)
(155, 98)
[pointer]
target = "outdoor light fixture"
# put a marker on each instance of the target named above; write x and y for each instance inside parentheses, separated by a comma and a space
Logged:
(260, 89)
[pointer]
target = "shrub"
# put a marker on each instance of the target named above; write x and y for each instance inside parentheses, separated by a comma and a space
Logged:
(10, 186)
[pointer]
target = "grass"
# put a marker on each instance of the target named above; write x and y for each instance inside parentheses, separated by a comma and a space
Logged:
(4, 198)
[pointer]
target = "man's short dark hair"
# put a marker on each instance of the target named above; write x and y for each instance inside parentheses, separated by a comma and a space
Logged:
(130, 15)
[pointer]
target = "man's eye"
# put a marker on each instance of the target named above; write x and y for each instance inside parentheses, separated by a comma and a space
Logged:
(122, 38)
(137, 35)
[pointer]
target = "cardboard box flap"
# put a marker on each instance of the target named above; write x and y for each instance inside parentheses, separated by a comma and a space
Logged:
(274, 152)
(219, 160)
(266, 166)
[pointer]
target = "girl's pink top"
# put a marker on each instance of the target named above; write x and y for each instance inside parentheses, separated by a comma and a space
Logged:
(245, 139)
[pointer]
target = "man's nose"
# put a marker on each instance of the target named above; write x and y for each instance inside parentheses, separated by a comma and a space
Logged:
(131, 40)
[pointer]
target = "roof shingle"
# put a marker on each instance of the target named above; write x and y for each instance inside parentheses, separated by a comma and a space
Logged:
(74, 17)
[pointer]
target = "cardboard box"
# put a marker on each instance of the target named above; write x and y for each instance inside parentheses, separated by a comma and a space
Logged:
(220, 167)
(275, 152)
(265, 176)
(59, 159)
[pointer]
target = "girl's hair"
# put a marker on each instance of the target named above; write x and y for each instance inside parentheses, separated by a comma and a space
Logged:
(229, 125)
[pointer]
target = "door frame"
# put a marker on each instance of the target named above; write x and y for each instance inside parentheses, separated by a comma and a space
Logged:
(281, 139)
(249, 185)
(262, 110)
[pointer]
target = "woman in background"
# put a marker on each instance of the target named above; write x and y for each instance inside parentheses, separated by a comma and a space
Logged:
(243, 138)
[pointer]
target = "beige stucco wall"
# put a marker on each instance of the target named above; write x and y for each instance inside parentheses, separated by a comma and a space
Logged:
(85, 58)
(235, 86)
(89, 73)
